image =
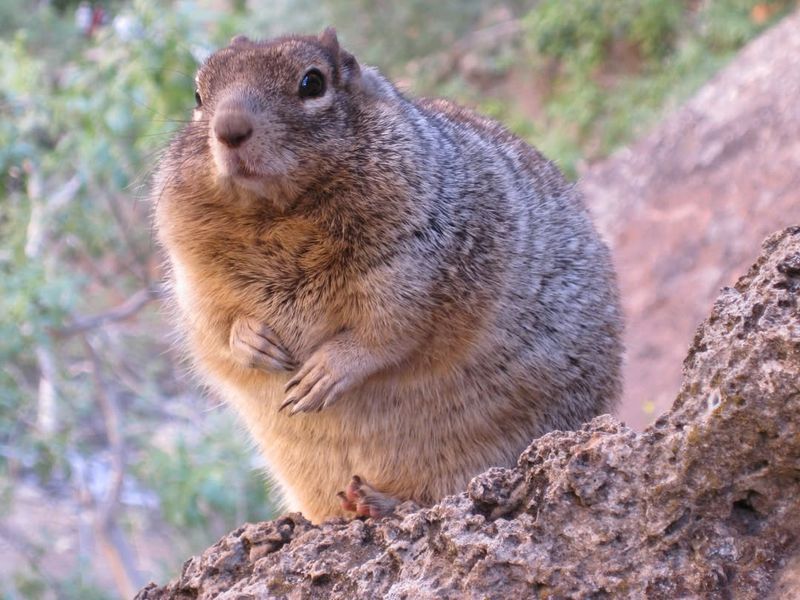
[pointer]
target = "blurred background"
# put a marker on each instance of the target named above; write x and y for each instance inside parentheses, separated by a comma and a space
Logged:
(114, 467)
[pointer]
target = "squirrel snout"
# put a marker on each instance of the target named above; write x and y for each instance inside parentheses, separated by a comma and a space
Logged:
(233, 128)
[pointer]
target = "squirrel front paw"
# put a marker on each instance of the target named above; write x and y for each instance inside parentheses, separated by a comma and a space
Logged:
(317, 385)
(255, 346)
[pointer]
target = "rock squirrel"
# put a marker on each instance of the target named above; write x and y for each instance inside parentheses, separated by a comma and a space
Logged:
(395, 288)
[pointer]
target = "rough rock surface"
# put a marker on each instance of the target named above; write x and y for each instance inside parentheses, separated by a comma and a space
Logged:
(685, 208)
(705, 503)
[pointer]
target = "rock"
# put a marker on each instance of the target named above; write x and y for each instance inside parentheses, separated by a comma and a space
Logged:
(684, 208)
(705, 503)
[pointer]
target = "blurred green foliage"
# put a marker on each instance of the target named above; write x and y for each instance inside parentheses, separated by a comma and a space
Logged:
(79, 585)
(581, 34)
(81, 123)
(207, 480)
(82, 120)
(617, 64)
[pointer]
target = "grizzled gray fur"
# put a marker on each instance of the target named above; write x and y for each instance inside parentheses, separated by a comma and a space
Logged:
(396, 289)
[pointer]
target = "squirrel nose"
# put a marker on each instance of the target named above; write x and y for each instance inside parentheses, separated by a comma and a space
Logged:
(233, 128)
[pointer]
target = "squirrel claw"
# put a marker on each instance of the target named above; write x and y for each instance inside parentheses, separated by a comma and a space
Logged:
(315, 387)
(254, 345)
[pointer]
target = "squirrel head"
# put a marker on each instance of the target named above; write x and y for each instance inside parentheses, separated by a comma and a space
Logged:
(279, 112)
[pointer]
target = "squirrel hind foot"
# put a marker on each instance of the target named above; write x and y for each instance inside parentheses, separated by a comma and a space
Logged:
(364, 500)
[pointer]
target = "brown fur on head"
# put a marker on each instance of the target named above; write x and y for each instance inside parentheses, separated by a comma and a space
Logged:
(266, 133)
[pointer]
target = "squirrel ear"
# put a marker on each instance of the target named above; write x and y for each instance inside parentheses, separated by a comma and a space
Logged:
(346, 62)
(239, 39)
(349, 66)
(328, 38)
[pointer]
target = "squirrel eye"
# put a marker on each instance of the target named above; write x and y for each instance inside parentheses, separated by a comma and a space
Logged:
(198, 99)
(312, 85)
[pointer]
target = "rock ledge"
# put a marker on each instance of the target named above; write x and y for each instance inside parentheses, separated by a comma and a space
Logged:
(705, 503)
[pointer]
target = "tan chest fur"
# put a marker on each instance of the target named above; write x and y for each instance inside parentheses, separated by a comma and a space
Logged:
(313, 453)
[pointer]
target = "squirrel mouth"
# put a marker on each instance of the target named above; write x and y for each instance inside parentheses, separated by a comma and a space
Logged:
(242, 170)
(231, 164)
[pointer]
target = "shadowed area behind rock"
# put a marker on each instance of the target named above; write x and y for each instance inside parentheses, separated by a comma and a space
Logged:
(704, 503)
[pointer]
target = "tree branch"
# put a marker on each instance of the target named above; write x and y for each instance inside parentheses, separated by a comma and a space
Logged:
(126, 310)
(111, 540)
